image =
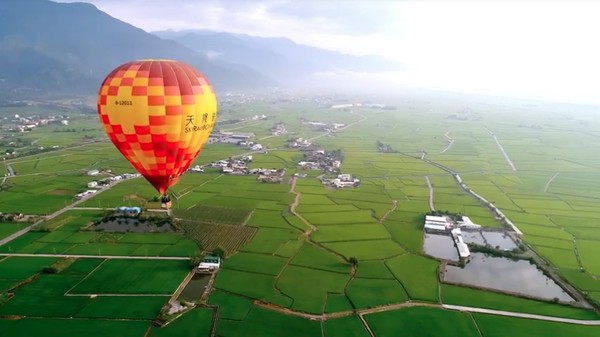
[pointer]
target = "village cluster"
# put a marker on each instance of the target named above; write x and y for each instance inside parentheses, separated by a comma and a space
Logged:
(240, 166)
(94, 185)
(22, 124)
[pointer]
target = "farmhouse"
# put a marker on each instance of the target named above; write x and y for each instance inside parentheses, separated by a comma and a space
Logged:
(344, 180)
(209, 264)
(92, 184)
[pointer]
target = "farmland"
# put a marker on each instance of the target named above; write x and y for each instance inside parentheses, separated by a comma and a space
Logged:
(287, 261)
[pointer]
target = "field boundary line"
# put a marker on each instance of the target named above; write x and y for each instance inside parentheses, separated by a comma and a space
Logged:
(104, 257)
(83, 279)
(366, 325)
(476, 325)
(430, 186)
(394, 207)
(450, 142)
(193, 188)
(550, 181)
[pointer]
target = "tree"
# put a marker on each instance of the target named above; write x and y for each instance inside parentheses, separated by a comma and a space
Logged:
(220, 252)
(353, 261)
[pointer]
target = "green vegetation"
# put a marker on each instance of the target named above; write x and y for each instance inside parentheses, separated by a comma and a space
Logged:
(360, 291)
(273, 256)
(132, 307)
(496, 326)
(134, 277)
(73, 327)
(8, 228)
(349, 326)
(194, 323)
(262, 322)
(230, 306)
(213, 215)
(422, 322)
(309, 287)
(418, 275)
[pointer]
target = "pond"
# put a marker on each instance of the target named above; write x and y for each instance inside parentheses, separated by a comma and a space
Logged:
(440, 246)
(499, 240)
(473, 237)
(195, 288)
(132, 225)
(507, 275)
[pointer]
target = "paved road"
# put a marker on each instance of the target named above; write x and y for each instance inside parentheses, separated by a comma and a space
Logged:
(122, 257)
(522, 315)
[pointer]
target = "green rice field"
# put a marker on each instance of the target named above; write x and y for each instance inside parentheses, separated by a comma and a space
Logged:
(287, 267)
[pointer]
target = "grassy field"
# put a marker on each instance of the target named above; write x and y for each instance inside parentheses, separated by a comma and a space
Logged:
(422, 322)
(141, 277)
(8, 228)
(494, 326)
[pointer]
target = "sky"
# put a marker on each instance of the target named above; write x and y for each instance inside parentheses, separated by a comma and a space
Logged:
(528, 48)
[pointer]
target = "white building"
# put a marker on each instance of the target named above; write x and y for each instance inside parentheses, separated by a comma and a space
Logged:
(197, 169)
(463, 249)
(209, 264)
(437, 223)
(92, 184)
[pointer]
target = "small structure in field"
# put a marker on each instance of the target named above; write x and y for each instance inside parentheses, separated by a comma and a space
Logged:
(209, 264)
(128, 211)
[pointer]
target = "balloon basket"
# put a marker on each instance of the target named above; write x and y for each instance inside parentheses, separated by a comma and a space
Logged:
(165, 202)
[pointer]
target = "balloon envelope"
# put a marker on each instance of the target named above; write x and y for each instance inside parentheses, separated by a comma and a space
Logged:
(159, 114)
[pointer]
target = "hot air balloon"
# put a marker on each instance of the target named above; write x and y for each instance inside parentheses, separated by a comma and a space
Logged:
(158, 114)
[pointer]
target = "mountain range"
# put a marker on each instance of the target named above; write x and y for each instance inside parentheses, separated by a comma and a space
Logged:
(49, 48)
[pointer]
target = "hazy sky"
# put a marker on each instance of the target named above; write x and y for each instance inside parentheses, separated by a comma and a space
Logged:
(546, 49)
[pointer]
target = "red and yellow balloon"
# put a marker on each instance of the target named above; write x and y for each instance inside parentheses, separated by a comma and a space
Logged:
(159, 114)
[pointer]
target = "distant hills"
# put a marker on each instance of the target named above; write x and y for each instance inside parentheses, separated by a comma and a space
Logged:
(49, 48)
(278, 58)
